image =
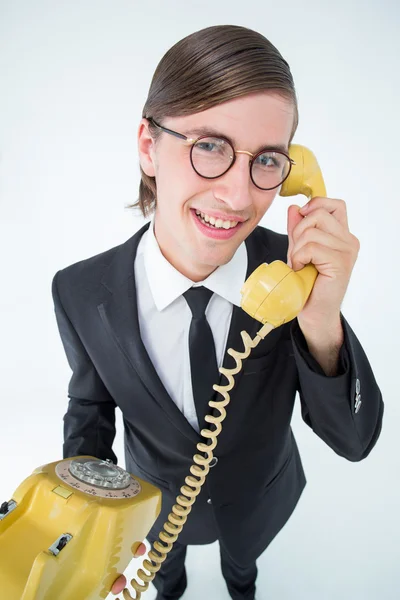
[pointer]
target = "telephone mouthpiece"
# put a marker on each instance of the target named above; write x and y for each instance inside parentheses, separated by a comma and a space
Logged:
(275, 294)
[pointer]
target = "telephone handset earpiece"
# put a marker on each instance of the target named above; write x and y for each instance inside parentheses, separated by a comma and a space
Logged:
(274, 293)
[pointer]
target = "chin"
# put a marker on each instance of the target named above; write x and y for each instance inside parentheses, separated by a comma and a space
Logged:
(218, 261)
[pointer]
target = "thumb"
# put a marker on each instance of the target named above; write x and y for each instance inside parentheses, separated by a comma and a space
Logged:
(294, 217)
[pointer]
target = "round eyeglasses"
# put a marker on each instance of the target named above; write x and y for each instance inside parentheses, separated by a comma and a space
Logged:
(212, 157)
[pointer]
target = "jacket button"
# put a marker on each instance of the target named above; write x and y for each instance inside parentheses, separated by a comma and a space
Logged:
(209, 501)
(213, 462)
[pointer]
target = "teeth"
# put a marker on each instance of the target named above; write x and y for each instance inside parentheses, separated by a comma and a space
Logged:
(218, 223)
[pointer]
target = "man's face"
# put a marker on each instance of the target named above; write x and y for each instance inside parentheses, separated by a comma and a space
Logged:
(250, 122)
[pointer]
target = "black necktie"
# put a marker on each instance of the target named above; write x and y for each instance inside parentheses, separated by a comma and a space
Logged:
(203, 360)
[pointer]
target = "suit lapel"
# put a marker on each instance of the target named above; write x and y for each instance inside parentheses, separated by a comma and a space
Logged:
(119, 314)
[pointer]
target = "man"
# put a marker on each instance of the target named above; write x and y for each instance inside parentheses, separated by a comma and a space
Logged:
(214, 132)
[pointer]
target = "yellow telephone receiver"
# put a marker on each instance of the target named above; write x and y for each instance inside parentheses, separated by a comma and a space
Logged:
(73, 525)
(275, 293)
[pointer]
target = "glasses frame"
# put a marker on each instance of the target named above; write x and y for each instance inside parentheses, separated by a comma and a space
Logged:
(193, 141)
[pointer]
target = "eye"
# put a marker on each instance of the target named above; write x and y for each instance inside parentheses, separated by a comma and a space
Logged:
(206, 146)
(269, 159)
(211, 145)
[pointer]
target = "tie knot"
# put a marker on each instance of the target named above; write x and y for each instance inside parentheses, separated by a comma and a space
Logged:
(198, 298)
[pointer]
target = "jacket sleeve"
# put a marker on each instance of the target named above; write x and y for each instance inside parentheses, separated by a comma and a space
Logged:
(89, 423)
(345, 410)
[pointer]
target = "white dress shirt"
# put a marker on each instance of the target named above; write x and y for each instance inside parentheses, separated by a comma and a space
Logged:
(165, 316)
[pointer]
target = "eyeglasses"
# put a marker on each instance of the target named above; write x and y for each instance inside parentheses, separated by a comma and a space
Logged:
(212, 157)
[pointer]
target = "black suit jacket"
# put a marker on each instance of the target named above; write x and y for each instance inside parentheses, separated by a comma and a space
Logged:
(259, 477)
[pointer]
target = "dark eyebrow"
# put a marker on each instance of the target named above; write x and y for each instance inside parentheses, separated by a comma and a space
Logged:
(198, 131)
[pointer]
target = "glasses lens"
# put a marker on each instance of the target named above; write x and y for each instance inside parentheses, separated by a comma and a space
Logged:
(211, 156)
(270, 169)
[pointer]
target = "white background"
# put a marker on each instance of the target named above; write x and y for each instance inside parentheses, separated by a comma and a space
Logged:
(74, 77)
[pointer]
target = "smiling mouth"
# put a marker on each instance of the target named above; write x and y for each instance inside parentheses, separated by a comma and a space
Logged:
(214, 223)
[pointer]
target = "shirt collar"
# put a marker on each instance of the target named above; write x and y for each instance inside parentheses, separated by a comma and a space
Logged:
(167, 284)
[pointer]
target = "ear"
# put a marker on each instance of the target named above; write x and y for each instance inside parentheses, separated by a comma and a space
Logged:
(146, 148)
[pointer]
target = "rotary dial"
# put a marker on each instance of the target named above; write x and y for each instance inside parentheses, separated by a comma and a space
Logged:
(98, 478)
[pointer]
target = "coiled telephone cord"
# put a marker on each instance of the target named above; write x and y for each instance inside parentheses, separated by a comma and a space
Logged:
(180, 511)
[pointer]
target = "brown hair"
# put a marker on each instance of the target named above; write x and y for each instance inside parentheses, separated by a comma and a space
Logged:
(206, 68)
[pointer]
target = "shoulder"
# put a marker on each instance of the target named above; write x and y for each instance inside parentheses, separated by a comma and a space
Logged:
(88, 269)
(86, 275)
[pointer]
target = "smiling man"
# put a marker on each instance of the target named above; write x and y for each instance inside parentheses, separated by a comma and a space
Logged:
(250, 124)
(145, 325)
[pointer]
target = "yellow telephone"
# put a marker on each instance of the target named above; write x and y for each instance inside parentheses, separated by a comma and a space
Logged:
(67, 532)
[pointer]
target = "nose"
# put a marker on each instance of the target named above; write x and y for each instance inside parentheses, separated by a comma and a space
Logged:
(235, 187)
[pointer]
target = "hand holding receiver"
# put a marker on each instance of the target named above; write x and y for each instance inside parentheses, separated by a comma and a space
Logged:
(319, 234)
(321, 252)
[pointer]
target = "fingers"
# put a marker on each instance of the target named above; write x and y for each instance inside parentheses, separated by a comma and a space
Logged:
(321, 256)
(140, 550)
(316, 236)
(322, 220)
(336, 207)
(118, 585)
